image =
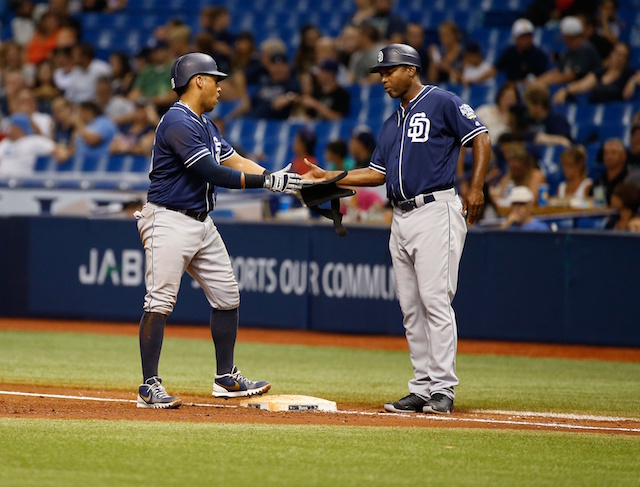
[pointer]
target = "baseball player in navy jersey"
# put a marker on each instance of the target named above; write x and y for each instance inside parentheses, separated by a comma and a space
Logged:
(416, 157)
(190, 160)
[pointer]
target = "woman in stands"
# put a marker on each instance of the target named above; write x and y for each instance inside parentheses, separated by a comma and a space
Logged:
(445, 64)
(496, 116)
(521, 171)
(574, 168)
(605, 85)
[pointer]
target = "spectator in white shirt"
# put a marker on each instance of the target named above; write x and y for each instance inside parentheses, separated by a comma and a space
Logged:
(21, 147)
(79, 84)
(25, 103)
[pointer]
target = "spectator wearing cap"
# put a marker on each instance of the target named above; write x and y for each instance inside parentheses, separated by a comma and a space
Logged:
(605, 85)
(153, 81)
(361, 146)
(329, 100)
(276, 95)
(304, 147)
(93, 133)
(520, 216)
(580, 58)
(522, 59)
(474, 67)
(21, 147)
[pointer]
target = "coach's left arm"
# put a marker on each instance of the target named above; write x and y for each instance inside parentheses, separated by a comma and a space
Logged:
(474, 198)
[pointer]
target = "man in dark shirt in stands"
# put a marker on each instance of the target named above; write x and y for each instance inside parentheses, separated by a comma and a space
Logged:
(546, 126)
(614, 156)
(579, 59)
(329, 100)
(274, 96)
(523, 58)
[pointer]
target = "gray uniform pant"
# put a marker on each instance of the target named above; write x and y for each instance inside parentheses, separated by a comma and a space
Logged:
(426, 246)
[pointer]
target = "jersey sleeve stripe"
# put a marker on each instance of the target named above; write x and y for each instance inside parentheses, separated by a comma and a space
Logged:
(196, 157)
(227, 155)
(473, 134)
(377, 168)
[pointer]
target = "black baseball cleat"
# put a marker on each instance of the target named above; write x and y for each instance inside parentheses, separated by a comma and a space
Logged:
(438, 404)
(408, 404)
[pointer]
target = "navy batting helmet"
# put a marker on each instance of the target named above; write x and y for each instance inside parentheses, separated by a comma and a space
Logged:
(187, 66)
(397, 55)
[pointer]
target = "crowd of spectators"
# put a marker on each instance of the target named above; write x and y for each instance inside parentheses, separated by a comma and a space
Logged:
(91, 107)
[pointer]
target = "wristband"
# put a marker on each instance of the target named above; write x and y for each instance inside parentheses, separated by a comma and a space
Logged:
(254, 180)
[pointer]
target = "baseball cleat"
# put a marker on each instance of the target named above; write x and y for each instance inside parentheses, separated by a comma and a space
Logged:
(408, 404)
(236, 385)
(152, 395)
(438, 404)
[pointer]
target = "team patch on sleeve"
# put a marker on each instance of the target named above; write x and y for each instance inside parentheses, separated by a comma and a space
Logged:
(467, 111)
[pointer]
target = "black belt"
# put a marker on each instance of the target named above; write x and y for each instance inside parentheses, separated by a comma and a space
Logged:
(415, 202)
(196, 215)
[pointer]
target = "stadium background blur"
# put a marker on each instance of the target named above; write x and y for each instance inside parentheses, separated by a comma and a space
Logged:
(136, 31)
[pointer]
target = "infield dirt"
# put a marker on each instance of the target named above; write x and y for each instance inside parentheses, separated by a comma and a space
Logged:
(208, 409)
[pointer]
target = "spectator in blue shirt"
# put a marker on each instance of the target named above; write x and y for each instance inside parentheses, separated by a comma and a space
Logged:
(93, 133)
(520, 217)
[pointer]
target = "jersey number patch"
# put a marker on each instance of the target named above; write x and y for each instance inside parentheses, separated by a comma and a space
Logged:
(419, 127)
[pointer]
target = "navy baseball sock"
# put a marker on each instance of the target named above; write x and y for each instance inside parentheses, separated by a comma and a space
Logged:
(151, 335)
(224, 329)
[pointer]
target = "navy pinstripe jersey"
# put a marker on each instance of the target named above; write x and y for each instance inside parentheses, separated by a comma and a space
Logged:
(182, 139)
(418, 147)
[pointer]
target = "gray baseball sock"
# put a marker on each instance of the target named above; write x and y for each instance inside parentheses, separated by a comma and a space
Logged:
(151, 335)
(224, 329)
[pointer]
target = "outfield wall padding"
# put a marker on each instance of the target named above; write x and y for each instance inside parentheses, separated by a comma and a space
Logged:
(571, 286)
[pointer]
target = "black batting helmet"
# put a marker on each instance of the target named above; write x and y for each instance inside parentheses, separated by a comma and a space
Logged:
(397, 55)
(187, 66)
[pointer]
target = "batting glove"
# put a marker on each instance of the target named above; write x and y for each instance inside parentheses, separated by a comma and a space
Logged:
(283, 181)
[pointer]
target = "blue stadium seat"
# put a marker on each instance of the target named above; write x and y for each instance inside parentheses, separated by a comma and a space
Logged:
(45, 164)
(140, 164)
(584, 133)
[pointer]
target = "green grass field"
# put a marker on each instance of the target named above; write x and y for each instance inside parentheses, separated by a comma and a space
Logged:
(48, 452)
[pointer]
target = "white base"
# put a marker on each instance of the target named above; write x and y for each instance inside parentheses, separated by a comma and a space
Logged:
(290, 402)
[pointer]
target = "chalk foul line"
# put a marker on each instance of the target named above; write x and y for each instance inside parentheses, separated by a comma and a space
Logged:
(508, 421)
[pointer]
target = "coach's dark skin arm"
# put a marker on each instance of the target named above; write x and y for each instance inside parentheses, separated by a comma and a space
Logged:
(356, 177)
(474, 199)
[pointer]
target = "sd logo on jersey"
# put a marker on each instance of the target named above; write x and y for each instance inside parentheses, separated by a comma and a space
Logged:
(419, 126)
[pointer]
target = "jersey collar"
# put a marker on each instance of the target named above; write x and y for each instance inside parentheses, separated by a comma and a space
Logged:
(188, 108)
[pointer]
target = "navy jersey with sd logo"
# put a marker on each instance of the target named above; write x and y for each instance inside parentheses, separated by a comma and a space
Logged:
(418, 147)
(183, 138)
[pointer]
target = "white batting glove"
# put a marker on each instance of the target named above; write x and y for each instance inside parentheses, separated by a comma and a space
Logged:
(283, 181)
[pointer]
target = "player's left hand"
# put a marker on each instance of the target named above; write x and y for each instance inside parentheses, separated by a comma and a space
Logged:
(283, 181)
(473, 204)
